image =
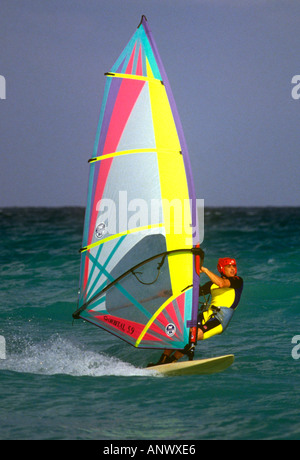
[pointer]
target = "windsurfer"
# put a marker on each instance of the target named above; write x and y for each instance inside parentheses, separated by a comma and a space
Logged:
(225, 290)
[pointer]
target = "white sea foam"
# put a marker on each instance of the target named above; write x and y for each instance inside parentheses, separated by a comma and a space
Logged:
(61, 356)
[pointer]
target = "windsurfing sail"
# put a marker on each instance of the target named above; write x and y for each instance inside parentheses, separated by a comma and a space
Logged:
(138, 276)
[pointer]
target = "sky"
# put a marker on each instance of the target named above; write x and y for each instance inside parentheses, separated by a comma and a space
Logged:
(230, 64)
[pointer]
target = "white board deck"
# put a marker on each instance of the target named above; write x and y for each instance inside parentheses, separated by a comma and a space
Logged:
(197, 367)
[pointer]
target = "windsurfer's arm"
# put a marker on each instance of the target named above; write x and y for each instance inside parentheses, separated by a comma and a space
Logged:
(221, 282)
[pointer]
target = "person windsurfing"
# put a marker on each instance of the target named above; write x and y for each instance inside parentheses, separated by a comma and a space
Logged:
(214, 317)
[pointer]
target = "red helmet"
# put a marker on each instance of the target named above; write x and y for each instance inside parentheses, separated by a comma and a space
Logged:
(226, 261)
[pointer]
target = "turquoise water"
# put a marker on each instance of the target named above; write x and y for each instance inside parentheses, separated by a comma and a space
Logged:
(74, 381)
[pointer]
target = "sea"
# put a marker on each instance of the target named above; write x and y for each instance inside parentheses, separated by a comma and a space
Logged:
(69, 380)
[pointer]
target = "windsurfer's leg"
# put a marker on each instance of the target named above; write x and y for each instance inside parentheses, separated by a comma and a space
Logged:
(177, 355)
(168, 352)
(170, 356)
(200, 334)
(165, 358)
(209, 329)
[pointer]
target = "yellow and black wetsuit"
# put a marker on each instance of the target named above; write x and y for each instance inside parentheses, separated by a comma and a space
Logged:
(215, 319)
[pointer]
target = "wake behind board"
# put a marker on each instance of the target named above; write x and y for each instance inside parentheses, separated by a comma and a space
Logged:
(197, 367)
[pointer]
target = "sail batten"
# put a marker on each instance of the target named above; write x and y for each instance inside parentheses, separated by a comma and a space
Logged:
(137, 277)
(133, 77)
(135, 151)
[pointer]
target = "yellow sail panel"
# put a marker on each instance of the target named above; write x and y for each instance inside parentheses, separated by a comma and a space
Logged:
(174, 187)
(164, 126)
